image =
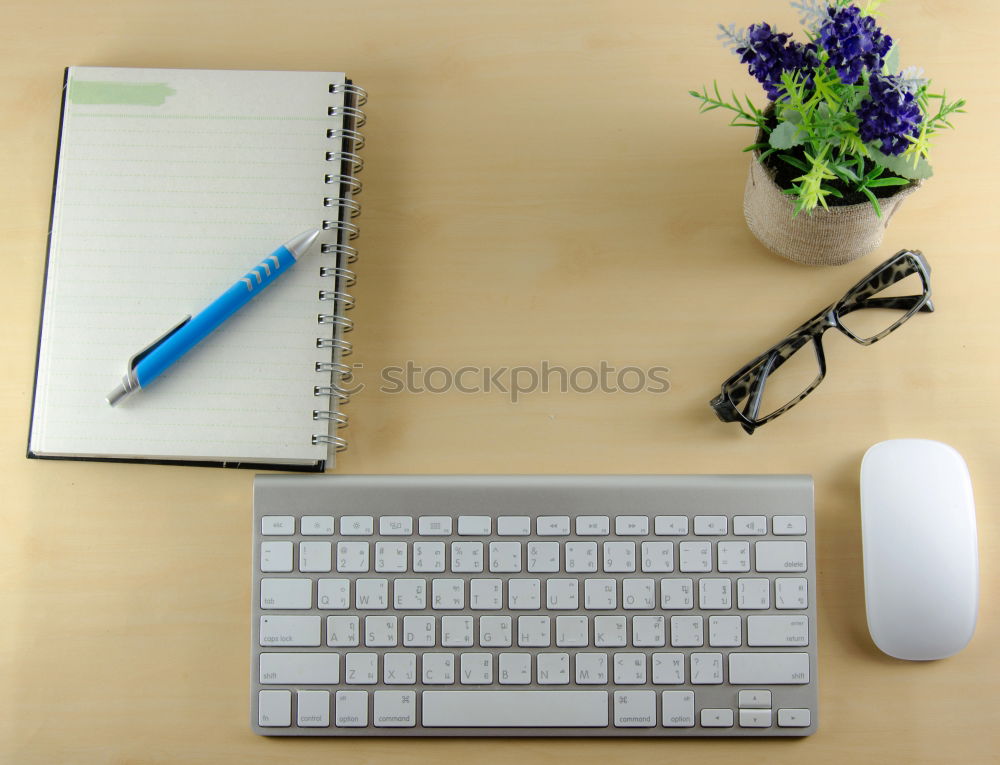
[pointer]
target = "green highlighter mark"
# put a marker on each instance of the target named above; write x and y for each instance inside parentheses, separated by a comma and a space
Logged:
(130, 93)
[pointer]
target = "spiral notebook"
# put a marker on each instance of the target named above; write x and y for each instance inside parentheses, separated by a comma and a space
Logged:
(169, 185)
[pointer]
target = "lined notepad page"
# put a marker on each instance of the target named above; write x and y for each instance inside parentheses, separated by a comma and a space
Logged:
(172, 184)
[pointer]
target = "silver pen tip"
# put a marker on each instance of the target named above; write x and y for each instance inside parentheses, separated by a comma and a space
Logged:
(298, 245)
(117, 394)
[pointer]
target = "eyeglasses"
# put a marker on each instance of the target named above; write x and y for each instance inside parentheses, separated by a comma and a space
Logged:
(781, 377)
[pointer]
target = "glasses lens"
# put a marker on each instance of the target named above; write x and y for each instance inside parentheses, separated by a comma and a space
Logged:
(883, 310)
(785, 383)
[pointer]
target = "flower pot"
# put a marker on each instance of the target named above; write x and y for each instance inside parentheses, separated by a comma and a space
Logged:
(823, 238)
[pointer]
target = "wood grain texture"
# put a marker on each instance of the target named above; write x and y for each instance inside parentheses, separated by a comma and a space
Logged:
(538, 187)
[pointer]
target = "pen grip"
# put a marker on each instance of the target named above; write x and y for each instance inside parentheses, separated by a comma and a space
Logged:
(192, 332)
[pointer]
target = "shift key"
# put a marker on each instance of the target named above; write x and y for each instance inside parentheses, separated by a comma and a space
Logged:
(769, 668)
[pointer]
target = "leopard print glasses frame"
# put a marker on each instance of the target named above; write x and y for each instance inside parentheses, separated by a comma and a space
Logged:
(742, 394)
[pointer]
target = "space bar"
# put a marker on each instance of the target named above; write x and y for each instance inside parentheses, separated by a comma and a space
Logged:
(515, 709)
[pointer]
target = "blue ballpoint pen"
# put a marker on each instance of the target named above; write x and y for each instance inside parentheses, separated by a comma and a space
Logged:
(154, 360)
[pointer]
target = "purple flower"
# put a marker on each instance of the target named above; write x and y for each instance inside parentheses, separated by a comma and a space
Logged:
(770, 54)
(889, 114)
(853, 42)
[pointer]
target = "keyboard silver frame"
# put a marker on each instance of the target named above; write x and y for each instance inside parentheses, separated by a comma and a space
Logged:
(533, 496)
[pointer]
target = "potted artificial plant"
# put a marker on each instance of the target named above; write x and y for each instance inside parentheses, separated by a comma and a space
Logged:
(844, 138)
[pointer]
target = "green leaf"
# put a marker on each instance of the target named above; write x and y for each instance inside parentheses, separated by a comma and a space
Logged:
(903, 166)
(888, 182)
(795, 162)
(874, 200)
(787, 135)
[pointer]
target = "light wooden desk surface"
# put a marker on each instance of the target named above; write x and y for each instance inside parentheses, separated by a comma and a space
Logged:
(538, 187)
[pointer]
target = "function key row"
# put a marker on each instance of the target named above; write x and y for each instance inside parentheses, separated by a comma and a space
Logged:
(545, 525)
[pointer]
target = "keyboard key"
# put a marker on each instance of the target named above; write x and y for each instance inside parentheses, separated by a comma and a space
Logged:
(696, 557)
(409, 594)
(639, 594)
(581, 557)
(275, 557)
(515, 668)
(717, 718)
(533, 632)
(552, 525)
(334, 593)
(399, 669)
(686, 631)
(447, 594)
(474, 525)
(513, 526)
(753, 594)
(591, 668)
(562, 594)
(395, 525)
(657, 557)
(300, 668)
(670, 525)
(777, 630)
(631, 525)
(371, 594)
(706, 668)
(316, 525)
(496, 632)
(467, 557)
(619, 557)
(395, 709)
(361, 668)
(439, 669)
(505, 557)
(343, 631)
(434, 526)
(609, 631)
(315, 557)
(774, 556)
(543, 557)
(572, 631)
(635, 709)
(380, 631)
(418, 631)
(788, 525)
(678, 709)
(755, 718)
(715, 593)
(725, 631)
(711, 525)
(515, 708)
(794, 718)
(475, 669)
(286, 593)
(524, 594)
(668, 668)
(274, 709)
(456, 631)
(390, 557)
(769, 668)
(553, 668)
(313, 709)
(277, 525)
(734, 557)
(791, 593)
(593, 525)
(286, 631)
(755, 699)
(630, 668)
(352, 556)
(351, 709)
(600, 594)
(676, 594)
(486, 594)
(357, 525)
(428, 557)
(749, 525)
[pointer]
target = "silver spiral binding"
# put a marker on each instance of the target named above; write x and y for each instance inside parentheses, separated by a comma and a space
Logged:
(346, 163)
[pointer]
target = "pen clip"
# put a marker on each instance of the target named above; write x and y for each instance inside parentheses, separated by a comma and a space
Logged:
(140, 355)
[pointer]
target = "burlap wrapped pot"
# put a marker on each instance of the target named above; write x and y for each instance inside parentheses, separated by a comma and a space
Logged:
(825, 237)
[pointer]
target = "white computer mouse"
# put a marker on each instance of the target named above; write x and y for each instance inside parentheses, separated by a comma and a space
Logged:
(921, 558)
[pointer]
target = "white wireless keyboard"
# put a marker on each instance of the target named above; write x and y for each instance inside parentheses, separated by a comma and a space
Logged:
(533, 606)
